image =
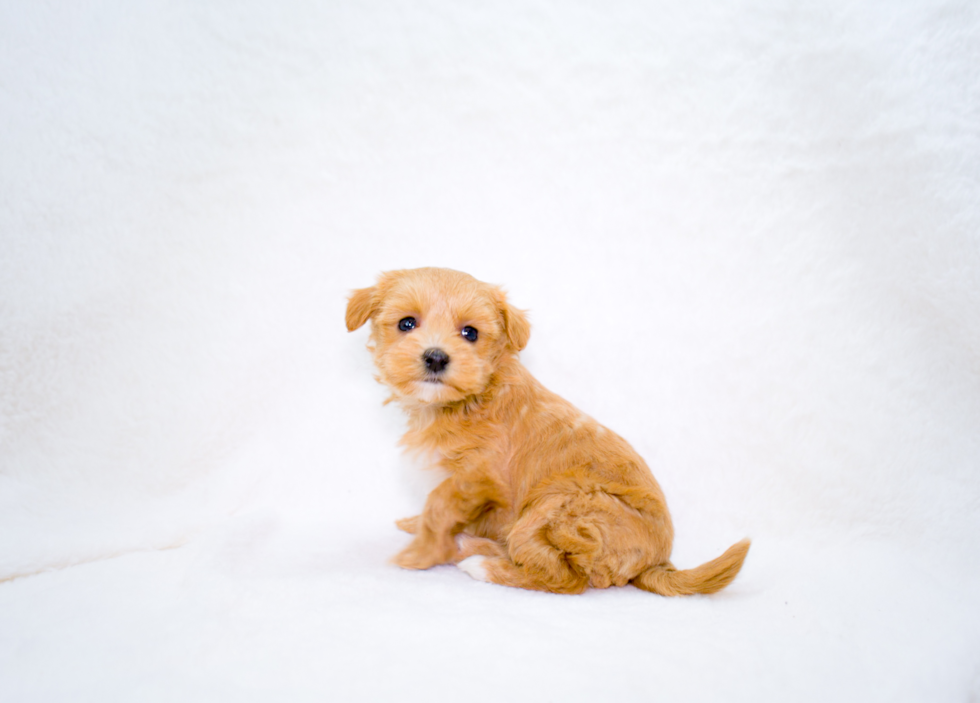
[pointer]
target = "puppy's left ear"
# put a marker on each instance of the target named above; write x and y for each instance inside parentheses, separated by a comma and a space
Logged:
(361, 306)
(516, 325)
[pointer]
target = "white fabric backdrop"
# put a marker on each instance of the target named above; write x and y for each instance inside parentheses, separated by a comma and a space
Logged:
(749, 237)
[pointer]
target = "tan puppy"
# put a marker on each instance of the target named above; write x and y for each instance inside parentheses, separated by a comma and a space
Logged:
(539, 495)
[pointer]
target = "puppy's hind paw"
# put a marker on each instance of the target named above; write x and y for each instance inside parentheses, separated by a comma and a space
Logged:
(474, 567)
(468, 545)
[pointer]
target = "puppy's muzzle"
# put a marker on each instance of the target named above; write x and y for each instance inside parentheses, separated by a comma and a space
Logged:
(435, 360)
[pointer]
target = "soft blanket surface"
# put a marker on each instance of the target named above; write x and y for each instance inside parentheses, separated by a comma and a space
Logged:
(748, 234)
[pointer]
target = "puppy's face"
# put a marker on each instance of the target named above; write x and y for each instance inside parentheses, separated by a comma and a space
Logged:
(437, 335)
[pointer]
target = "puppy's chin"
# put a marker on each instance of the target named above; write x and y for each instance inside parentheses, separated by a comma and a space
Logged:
(427, 394)
(430, 392)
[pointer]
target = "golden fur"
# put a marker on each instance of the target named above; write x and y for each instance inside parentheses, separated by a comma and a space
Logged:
(539, 495)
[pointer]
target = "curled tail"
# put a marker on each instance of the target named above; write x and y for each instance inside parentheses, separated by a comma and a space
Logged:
(710, 577)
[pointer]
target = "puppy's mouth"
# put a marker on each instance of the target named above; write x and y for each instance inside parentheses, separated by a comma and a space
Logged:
(434, 389)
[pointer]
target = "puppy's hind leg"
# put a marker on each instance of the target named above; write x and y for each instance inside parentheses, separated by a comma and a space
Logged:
(504, 572)
(534, 562)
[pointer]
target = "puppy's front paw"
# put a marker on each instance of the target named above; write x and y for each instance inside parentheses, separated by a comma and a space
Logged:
(409, 524)
(421, 555)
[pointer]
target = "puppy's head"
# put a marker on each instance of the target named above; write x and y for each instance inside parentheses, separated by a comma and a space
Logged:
(437, 335)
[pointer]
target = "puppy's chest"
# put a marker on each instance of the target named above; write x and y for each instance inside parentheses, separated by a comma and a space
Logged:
(465, 446)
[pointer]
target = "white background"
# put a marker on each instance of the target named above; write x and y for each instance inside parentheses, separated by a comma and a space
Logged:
(748, 234)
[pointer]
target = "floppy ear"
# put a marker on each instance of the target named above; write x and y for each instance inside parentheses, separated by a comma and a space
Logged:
(361, 306)
(516, 326)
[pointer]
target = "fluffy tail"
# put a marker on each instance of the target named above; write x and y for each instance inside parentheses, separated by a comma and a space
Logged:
(707, 578)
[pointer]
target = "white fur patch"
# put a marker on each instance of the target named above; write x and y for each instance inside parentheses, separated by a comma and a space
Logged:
(474, 567)
(428, 391)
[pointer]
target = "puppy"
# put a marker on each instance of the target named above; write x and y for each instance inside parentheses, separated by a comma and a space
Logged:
(539, 495)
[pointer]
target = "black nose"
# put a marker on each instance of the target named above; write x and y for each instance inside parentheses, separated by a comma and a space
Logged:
(435, 360)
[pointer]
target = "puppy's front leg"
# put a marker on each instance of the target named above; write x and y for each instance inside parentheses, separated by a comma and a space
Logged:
(449, 507)
(409, 524)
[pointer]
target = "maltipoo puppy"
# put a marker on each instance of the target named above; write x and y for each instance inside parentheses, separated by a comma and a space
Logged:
(538, 494)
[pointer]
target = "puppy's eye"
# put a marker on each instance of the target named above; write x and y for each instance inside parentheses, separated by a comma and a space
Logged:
(469, 334)
(406, 323)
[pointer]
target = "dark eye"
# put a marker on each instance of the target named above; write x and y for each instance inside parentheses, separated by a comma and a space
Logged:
(406, 323)
(469, 334)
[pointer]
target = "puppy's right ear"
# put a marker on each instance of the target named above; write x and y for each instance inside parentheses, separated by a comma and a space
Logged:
(361, 306)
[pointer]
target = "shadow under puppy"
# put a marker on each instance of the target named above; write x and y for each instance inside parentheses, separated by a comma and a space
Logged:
(539, 495)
